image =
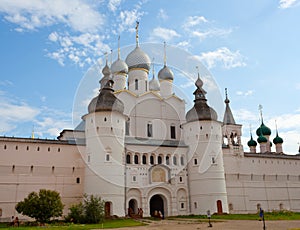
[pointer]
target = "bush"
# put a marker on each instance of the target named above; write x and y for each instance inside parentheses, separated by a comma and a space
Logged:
(91, 211)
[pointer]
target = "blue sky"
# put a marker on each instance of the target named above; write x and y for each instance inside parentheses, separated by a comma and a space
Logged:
(250, 47)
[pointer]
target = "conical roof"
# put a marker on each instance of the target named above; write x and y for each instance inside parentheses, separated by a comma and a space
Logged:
(228, 118)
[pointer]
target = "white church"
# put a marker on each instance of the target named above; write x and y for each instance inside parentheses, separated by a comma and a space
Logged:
(139, 149)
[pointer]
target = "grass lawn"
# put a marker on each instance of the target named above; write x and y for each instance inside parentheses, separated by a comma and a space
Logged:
(119, 223)
(284, 215)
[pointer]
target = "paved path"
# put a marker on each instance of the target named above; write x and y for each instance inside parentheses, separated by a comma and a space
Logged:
(222, 225)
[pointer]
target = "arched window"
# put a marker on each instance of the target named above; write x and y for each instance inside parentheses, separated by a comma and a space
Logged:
(136, 159)
(167, 160)
(127, 126)
(181, 160)
(128, 160)
(144, 159)
(151, 160)
(159, 159)
(174, 160)
(136, 84)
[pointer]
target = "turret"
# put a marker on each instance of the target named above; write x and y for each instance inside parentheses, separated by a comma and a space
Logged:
(232, 132)
(105, 132)
(252, 145)
(203, 135)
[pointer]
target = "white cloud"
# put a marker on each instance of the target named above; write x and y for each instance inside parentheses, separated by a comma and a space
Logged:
(128, 18)
(246, 93)
(210, 33)
(114, 4)
(162, 14)
(34, 14)
(284, 4)
(224, 56)
(83, 49)
(193, 21)
(164, 33)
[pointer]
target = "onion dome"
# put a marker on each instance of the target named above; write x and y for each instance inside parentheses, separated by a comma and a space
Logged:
(277, 139)
(154, 83)
(138, 59)
(119, 66)
(106, 70)
(252, 142)
(165, 74)
(262, 139)
(106, 100)
(200, 111)
(263, 129)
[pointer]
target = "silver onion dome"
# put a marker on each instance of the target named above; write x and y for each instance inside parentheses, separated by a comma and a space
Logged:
(119, 66)
(154, 84)
(165, 74)
(138, 59)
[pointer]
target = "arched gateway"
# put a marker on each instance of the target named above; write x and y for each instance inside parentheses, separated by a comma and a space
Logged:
(157, 206)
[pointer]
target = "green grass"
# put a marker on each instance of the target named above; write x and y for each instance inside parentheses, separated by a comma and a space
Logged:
(119, 223)
(282, 215)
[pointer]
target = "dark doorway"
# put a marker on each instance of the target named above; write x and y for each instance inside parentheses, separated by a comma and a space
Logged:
(157, 206)
(132, 207)
(219, 207)
(107, 209)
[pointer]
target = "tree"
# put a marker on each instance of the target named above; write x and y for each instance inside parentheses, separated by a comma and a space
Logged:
(41, 206)
(91, 210)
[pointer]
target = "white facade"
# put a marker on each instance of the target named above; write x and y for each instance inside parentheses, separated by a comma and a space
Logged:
(140, 148)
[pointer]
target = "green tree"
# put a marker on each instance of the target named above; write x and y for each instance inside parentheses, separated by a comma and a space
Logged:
(93, 209)
(41, 206)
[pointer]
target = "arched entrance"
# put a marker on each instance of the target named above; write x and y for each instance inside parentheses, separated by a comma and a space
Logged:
(219, 207)
(157, 206)
(132, 207)
(107, 209)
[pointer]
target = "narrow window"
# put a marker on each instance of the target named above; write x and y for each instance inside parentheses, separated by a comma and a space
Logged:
(167, 160)
(134, 178)
(13, 168)
(58, 150)
(213, 161)
(127, 126)
(180, 179)
(48, 149)
(5, 147)
(173, 132)
(146, 85)
(107, 157)
(181, 160)
(78, 180)
(174, 160)
(27, 148)
(16, 147)
(136, 159)
(105, 119)
(159, 160)
(195, 161)
(151, 160)
(144, 159)
(38, 148)
(182, 205)
(128, 160)
(136, 84)
(31, 168)
(195, 205)
(53, 169)
(149, 130)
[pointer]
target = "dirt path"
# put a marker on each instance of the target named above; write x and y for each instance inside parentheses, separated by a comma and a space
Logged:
(222, 225)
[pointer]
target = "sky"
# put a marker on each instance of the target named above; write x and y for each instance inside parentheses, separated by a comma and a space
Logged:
(48, 49)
